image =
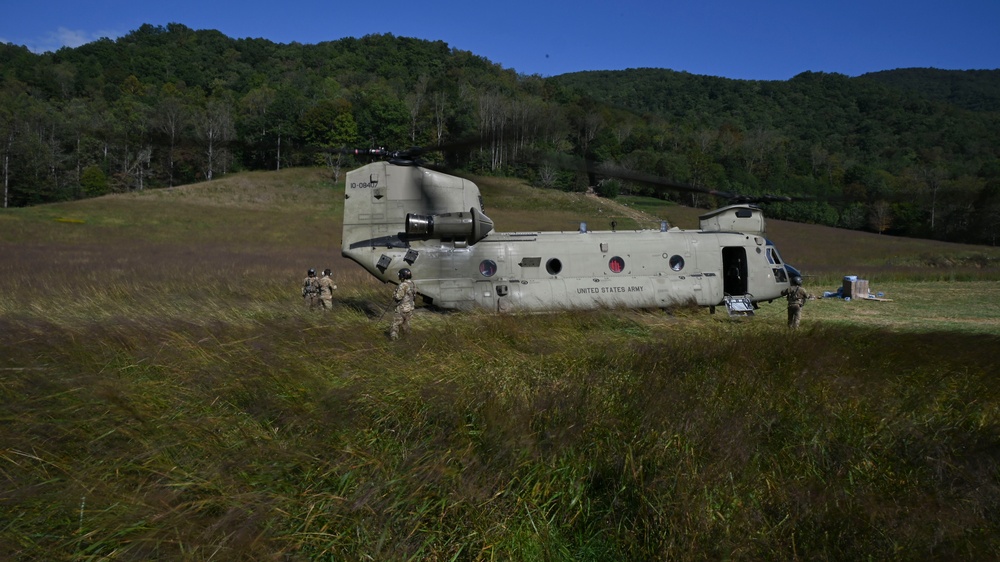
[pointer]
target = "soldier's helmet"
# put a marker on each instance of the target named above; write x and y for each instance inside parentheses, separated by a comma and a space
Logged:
(405, 273)
(796, 280)
(312, 272)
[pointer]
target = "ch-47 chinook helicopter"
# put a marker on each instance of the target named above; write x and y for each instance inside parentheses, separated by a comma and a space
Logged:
(401, 215)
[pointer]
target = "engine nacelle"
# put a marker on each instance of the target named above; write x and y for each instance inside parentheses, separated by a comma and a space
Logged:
(470, 227)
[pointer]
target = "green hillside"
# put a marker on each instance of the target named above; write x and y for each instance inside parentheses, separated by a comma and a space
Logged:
(909, 152)
(165, 395)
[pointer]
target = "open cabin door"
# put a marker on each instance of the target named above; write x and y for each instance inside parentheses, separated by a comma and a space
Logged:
(734, 275)
(734, 269)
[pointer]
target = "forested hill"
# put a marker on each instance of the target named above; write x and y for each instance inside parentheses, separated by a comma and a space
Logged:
(911, 152)
(978, 90)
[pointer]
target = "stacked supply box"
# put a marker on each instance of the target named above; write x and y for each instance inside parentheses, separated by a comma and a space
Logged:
(855, 288)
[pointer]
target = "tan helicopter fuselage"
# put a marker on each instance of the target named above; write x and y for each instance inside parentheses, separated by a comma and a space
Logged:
(432, 223)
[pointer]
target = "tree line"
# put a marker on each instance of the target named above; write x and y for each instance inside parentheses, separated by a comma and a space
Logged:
(169, 105)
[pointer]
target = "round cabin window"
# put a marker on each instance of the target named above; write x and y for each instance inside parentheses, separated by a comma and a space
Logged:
(676, 263)
(488, 268)
(616, 264)
(553, 266)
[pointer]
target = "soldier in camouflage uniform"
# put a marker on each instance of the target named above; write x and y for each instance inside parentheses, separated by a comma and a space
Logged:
(326, 289)
(403, 296)
(796, 300)
(310, 290)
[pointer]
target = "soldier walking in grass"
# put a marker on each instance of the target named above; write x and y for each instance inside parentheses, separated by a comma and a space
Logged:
(403, 297)
(796, 300)
(310, 290)
(326, 289)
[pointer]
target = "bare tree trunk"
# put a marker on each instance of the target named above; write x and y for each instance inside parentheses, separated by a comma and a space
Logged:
(491, 126)
(335, 165)
(170, 121)
(592, 123)
(210, 152)
(933, 178)
(547, 175)
(414, 103)
(881, 216)
(79, 164)
(279, 149)
(757, 145)
(439, 116)
(218, 127)
(144, 156)
(6, 179)
(6, 165)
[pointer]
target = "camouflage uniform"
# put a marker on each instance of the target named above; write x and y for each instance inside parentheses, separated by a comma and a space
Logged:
(310, 290)
(404, 308)
(796, 300)
(326, 289)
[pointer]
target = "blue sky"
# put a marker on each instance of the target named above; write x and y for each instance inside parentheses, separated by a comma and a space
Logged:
(745, 39)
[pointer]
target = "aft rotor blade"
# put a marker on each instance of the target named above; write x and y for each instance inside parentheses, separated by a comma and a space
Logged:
(617, 172)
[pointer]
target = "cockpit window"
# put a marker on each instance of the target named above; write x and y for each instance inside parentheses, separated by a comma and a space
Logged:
(772, 256)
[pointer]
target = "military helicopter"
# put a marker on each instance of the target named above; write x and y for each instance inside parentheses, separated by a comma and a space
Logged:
(399, 214)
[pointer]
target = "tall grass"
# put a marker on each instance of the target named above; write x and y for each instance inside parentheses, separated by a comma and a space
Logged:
(173, 400)
(604, 435)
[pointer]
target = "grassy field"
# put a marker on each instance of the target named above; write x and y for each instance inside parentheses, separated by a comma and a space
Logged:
(166, 396)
